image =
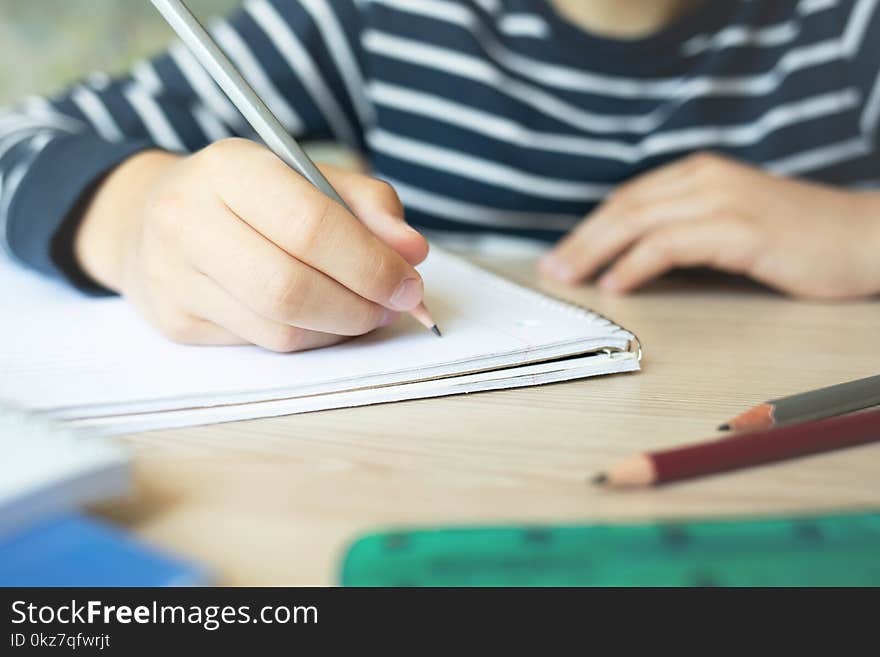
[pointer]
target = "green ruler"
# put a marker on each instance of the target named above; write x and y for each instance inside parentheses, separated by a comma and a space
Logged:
(840, 550)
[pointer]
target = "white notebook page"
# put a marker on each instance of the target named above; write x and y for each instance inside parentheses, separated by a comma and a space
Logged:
(85, 357)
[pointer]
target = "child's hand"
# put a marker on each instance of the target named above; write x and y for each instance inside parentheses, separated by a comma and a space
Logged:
(804, 239)
(230, 246)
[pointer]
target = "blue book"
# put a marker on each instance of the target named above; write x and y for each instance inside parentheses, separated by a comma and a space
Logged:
(73, 550)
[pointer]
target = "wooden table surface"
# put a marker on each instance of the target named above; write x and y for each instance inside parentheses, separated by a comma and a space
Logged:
(276, 502)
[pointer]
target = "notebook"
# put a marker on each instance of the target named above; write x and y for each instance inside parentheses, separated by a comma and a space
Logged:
(94, 363)
(46, 469)
(73, 550)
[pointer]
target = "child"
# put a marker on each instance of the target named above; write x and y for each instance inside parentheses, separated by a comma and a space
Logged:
(736, 134)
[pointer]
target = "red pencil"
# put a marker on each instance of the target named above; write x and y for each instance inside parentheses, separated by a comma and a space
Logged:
(743, 451)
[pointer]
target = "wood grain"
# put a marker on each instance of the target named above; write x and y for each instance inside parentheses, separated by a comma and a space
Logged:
(276, 501)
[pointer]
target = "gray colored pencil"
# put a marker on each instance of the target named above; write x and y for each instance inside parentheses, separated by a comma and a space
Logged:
(812, 405)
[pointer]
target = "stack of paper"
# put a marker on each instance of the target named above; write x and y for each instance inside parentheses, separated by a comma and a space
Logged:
(96, 363)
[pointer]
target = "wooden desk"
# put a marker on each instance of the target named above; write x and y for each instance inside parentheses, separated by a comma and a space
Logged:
(275, 502)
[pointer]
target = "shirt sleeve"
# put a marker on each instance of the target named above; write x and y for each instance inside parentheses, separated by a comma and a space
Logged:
(861, 40)
(303, 57)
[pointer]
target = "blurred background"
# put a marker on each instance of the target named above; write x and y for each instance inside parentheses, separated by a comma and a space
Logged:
(45, 44)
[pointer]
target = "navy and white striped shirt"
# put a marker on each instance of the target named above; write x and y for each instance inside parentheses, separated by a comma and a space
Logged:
(486, 115)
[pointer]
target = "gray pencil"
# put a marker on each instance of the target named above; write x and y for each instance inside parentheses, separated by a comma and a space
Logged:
(252, 107)
(813, 405)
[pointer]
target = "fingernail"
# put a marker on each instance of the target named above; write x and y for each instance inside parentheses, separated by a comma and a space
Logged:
(407, 295)
(556, 268)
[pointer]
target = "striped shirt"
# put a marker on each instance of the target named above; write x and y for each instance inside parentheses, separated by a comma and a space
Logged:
(486, 115)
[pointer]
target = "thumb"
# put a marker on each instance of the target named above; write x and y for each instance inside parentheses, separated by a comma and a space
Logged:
(377, 205)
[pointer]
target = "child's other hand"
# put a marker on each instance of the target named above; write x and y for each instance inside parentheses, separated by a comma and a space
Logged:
(803, 239)
(230, 246)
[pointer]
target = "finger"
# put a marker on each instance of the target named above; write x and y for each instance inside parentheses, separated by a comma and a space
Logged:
(198, 331)
(378, 206)
(287, 210)
(611, 230)
(665, 184)
(276, 286)
(183, 327)
(689, 244)
(216, 306)
(206, 333)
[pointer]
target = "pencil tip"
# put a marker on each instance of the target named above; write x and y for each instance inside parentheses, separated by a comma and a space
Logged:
(600, 479)
(724, 427)
(436, 331)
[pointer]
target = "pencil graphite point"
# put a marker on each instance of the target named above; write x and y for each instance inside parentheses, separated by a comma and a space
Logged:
(424, 317)
(600, 479)
(724, 427)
